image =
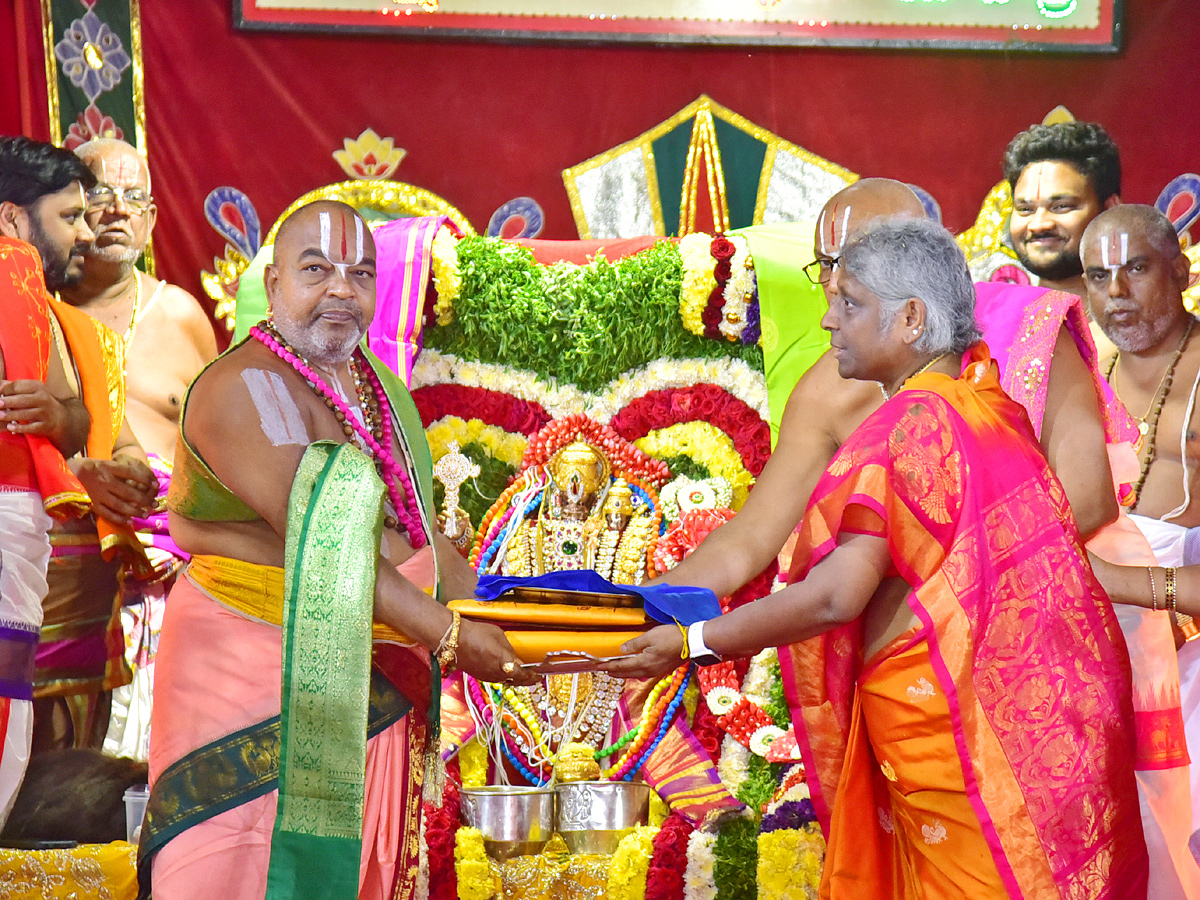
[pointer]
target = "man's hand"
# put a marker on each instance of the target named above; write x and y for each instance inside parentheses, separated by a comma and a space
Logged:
(659, 651)
(119, 488)
(28, 407)
(485, 653)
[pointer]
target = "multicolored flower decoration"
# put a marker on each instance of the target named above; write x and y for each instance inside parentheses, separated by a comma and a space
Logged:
(92, 56)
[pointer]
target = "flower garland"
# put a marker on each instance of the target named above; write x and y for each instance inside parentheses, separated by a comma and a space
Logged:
(472, 867)
(395, 477)
(624, 458)
(682, 495)
(421, 888)
(699, 280)
(702, 442)
(507, 447)
(564, 313)
(750, 433)
(740, 290)
(441, 823)
(668, 862)
(685, 534)
(505, 412)
(735, 376)
(735, 857)
(630, 863)
(473, 762)
(698, 882)
(789, 863)
(443, 265)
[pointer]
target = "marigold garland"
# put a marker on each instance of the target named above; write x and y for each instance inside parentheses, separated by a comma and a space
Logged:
(443, 265)
(789, 863)
(473, 763)
(505, 446)
(701, 441)
(472, 866)
(630, 863)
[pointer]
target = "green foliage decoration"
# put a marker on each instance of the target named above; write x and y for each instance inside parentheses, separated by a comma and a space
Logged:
(579, 324)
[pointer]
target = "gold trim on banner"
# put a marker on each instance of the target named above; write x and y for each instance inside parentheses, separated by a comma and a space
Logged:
(645, 140)
(51, 72)
(139, 92)
(656, 213)
(139, 109)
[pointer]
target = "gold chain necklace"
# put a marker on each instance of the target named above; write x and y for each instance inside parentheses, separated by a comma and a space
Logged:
(1148, 423)
(131, 330)
(921, 371)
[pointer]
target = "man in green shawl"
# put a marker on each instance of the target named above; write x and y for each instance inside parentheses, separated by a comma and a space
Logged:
(298, 671)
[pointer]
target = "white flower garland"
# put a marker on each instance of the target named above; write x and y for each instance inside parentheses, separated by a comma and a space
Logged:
(739, 289)
(732, 767)
(560, 400)
(421, 890)
(698, 883)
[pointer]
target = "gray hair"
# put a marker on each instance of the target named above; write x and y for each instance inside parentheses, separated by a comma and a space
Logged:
(901, 258)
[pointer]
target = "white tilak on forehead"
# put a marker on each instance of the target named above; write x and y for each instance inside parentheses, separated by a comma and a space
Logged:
(326, 237)
(1114, 265)
(821, 232)
(845, 226)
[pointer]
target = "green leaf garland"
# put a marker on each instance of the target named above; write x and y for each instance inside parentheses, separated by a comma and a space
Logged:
(576, 323)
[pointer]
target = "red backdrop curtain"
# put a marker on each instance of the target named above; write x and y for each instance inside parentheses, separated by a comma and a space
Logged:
(485, 122)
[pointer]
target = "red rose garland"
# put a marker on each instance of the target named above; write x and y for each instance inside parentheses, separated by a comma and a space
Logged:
(668, 860)
(491, 407)
(710, 403)
(441, 823)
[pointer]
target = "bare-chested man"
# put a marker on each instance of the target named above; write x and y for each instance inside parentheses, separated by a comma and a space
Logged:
(1135, 276)
(824, 409)
(302, 469)
(167, 335)
(167, 339)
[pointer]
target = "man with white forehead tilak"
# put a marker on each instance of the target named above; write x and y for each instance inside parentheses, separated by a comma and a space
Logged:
(304, 493)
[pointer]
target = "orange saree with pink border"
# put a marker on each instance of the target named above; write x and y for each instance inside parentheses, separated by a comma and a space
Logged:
(989, 751)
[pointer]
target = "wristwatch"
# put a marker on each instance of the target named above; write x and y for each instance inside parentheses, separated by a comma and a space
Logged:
(698, 651)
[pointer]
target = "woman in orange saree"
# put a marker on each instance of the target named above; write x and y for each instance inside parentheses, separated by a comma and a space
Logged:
(958, 682)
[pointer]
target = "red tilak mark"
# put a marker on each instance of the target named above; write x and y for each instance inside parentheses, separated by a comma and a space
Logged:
(344, 236)
(833, 228)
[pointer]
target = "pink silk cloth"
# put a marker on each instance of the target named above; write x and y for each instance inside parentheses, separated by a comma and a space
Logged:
(1022, 643)
(218, 672)
(403, 250)
(1024, 323)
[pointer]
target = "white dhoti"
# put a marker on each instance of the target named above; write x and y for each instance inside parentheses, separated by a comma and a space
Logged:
(1173, 813)
(24, 555)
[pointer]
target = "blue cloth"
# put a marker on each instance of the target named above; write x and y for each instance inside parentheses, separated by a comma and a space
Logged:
(664, 602)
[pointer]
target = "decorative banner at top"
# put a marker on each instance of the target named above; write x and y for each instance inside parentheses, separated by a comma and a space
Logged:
(1079, 25)
(93, 51)
(704, 169)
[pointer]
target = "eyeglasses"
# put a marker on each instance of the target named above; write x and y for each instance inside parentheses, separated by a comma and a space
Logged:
(102, 196)
(819, 271)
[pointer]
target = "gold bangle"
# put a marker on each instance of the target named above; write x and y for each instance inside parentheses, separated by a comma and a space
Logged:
(447, 650)
(1180, 621)
(1153, 591)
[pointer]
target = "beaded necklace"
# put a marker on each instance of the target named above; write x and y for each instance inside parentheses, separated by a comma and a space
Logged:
(378, 442)
(1148, 423)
